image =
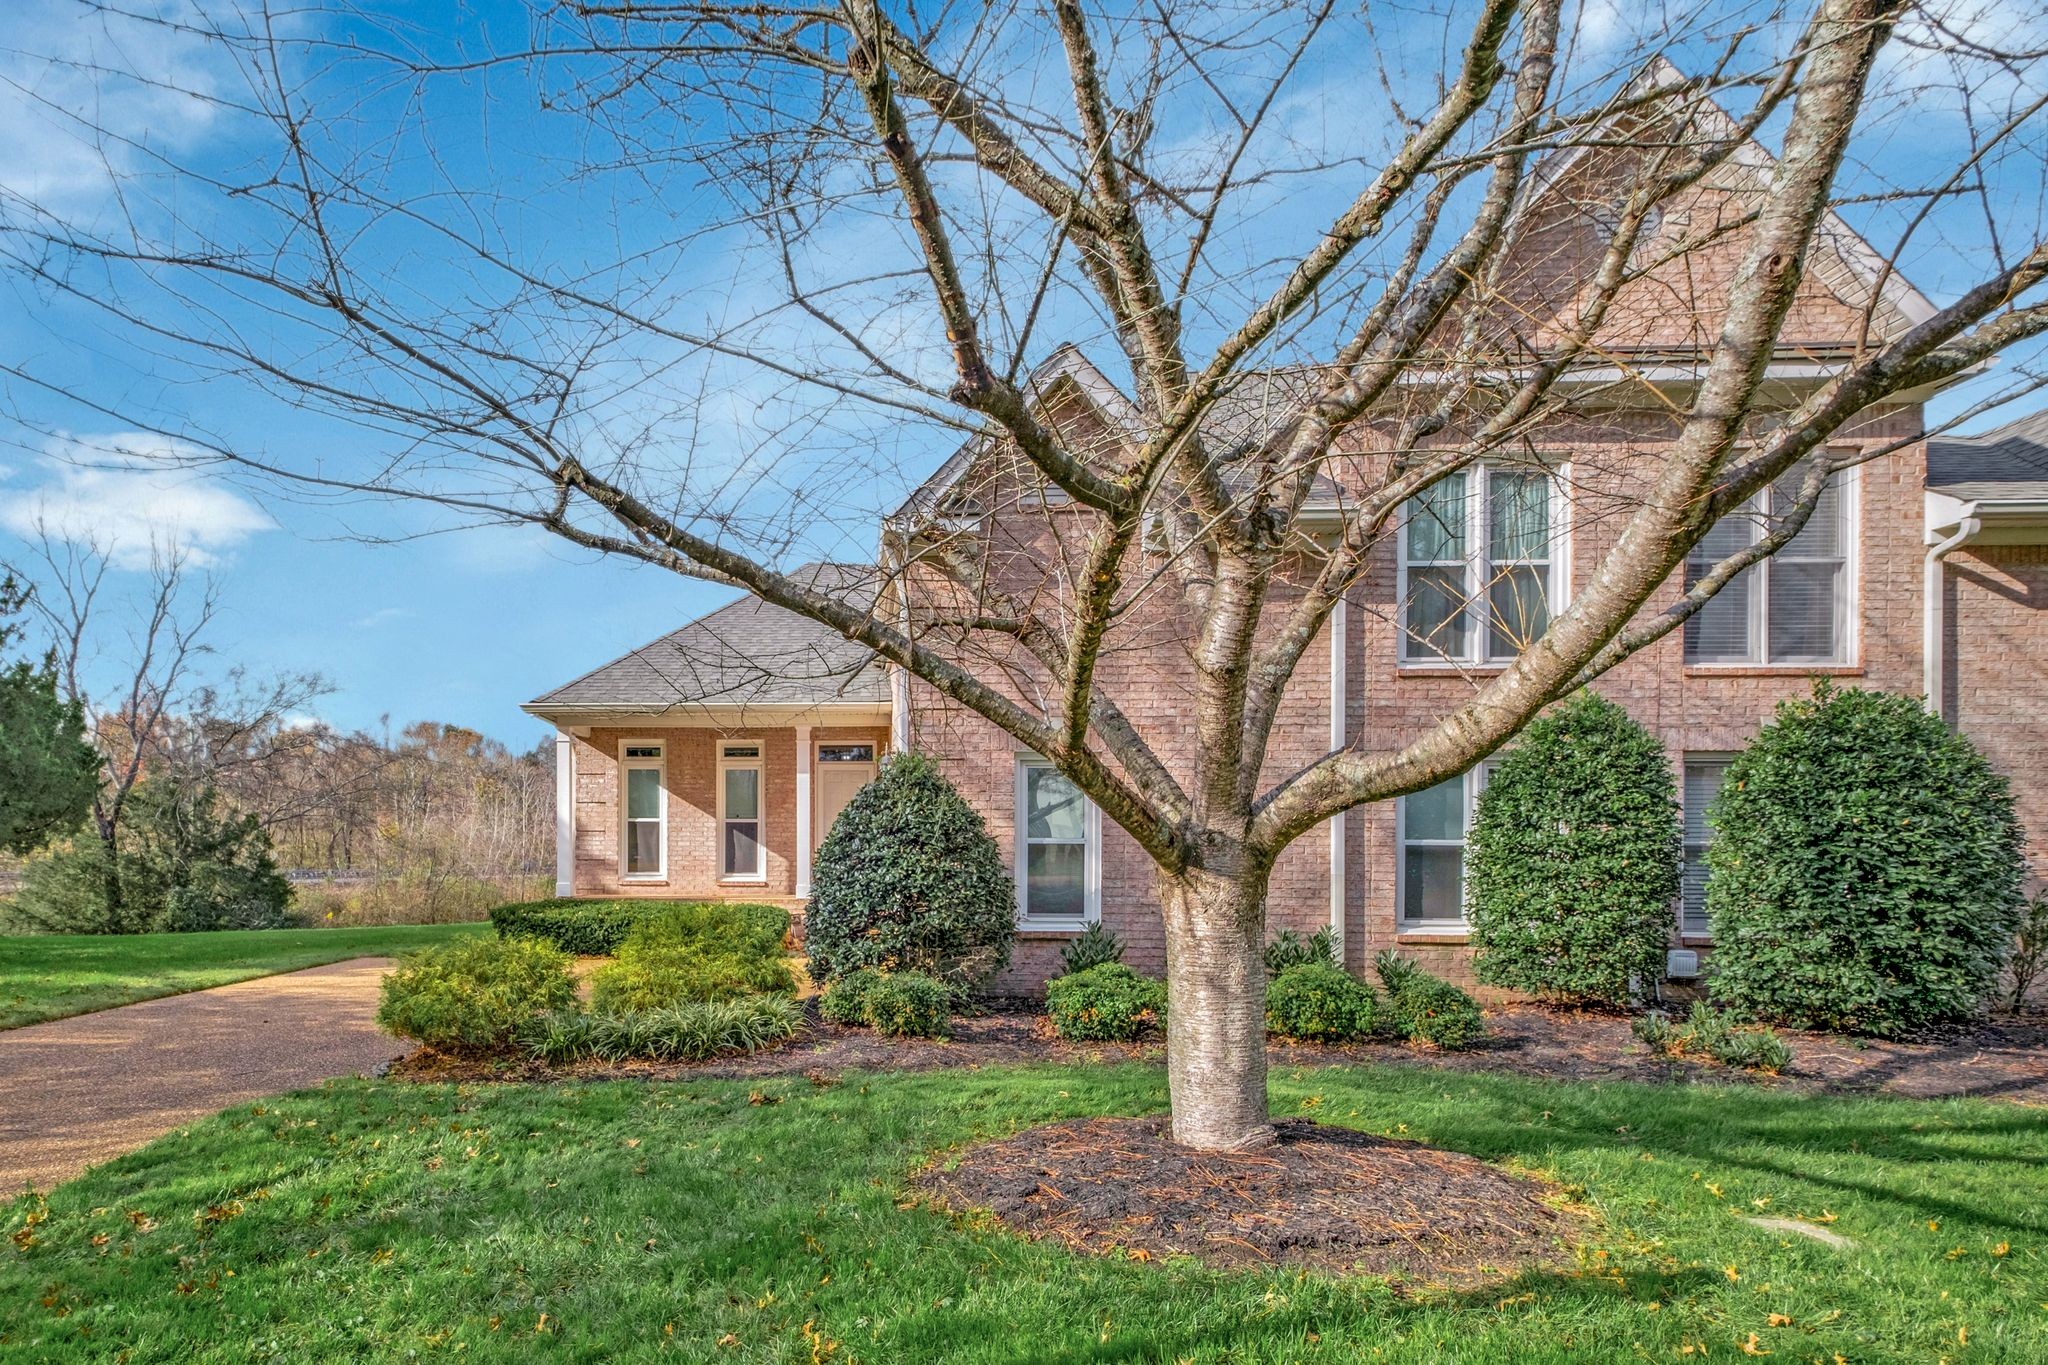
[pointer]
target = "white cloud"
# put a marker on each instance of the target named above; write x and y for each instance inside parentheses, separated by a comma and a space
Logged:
(383, 616)
(130, 495)
(81, 92)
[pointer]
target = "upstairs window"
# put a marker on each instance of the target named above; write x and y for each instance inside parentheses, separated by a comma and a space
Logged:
(1059, 849)
(740, 856)
(1481, 564)
(1794, 607)
(645, 852)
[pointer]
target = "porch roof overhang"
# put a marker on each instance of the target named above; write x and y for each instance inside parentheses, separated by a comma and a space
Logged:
(712, 716)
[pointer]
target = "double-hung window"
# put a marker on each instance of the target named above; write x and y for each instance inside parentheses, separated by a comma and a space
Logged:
(1704, 774)
(1794, 607)
(1433, 824)
(1059, 839)
(645, 851)
(740, 857)
(1481, 564)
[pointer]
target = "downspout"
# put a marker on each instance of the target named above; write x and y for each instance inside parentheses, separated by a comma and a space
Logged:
(1338, 737)
(1932, 626)
(565, 813)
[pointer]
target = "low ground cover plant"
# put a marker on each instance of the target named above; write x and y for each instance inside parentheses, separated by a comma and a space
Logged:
(1289, 949)
(1707, 1032)
(908, 880)
(1108, 1003)
(596, 928)
(691, 1032)
(694, 951)
(1865, 872)
(1572, 865)
(1427, 1008)
(1316, 1002)
(476, 994)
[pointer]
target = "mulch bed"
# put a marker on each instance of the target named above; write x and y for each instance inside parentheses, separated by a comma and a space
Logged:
(2006, 1059)
(1327, 1198)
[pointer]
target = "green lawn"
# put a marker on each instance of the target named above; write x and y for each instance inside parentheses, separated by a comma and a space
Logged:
(49, 976)
(716, 1221)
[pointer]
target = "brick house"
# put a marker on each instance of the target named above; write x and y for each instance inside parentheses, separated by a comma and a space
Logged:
(710, 762)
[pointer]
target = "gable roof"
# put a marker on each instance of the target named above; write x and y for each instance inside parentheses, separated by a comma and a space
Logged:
(2006, 464)
(746, 653)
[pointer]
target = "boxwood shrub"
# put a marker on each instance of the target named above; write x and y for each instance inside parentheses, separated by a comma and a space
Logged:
(1426, 1008)
(475, 994)
(908, 880)
(688, 1032)
(1572, 867)
(1315, 1002)
(692, 951)
(845, 1001)
(596, 928)
(1108, 1003)
(908, 1005)
(1865, 873)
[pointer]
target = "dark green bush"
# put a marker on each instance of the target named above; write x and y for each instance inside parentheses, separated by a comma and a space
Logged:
(908, 880)
(1109, 1003)
(1572, 866)
(1289, 949)
(1865, 871)
(596, 928)
(688, 1032)
(1091, 947)
(1428, 1008)
(476, 994)
(692, 951)
(845, 1001)
(1317, 1003)
(908, 1005)
(184, 862)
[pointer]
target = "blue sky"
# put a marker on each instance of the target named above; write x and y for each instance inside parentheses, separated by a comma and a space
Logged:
(414, 619)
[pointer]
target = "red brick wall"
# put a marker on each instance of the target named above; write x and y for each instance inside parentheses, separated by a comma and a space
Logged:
(690, 775)
(1997, 684)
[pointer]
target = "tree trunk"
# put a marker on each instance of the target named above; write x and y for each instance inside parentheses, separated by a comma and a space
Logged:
(1216, 1008)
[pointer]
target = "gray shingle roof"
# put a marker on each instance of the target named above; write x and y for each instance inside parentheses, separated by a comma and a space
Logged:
(746, 653)
(2009, 463)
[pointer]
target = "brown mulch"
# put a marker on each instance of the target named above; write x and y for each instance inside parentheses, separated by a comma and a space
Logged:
(2004, 1059)
(1328, 1198)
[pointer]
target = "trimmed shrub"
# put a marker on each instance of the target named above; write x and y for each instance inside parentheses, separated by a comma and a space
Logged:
(1707, 1032)
(1289, 950)
(1865, 870)
(1092, 947)
(1572, 866)
(689, 1032)
(691, 951)
(1427, 1008)
(1109, 1003)
(1317, 1003)
(908, 1005)
(596, 928)
(845, 1001)
(908, 880)
(476, 994)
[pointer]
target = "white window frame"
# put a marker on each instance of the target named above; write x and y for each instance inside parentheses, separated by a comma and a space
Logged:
(1685, 854)
(727, 762)
(1091, 856)
(1475, 779)
(1849, 496)
(658, 764)
(1477, 565)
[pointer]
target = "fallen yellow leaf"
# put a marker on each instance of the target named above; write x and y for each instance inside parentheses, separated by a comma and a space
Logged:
(1734, 1275)
(1753, 1347)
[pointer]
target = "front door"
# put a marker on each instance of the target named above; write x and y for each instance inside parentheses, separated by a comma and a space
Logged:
(843, 769)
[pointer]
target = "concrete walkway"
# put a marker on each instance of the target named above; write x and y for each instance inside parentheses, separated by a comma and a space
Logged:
(76, 1092)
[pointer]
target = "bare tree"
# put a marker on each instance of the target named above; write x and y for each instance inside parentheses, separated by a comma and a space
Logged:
(903, 203)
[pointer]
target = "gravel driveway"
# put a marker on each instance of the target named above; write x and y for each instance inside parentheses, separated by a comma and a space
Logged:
(84, 1090)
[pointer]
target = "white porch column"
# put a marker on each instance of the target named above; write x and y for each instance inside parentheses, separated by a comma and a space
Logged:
(803, 810)
(1338, 737)
(565, 814)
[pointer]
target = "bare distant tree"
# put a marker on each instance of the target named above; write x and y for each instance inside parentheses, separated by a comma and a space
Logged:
(778, 240)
